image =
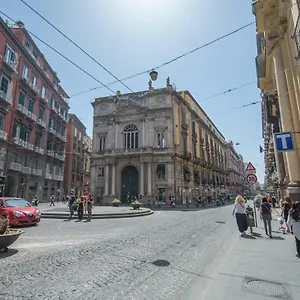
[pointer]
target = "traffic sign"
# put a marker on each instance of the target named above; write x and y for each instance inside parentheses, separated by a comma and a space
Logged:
(284, 141)
(250, 167)
(251, 178)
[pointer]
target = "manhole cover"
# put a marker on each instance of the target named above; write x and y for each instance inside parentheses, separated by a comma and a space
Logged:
(266, 288)
(161, 263)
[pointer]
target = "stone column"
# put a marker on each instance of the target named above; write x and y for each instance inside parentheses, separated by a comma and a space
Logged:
(106, 180)
(149, 180)
(116, 135)
(113, 180)
(142, 192)
(286, 118)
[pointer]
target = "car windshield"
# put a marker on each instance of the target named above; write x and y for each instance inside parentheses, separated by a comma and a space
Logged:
(17, 203)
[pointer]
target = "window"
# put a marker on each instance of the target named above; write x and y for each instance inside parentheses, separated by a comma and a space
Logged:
(27, 44)
(35, 55)
(45, 69)
(9, 55)
(58, 126)
(22, 96)
(31, 105)
(25, 71)
(5, 80)
(161, 171)
(51, 122)
(74, 147)
(101, 172)
(43, 92)
(78, 149)
(41, 113)
(55, 147)
(49, 144)
(102, 144)
(2, 117)
(63, 131)
(161, 140)
(131, 137)
(33, 80)
(38, 141)
(25, 134)
(54, 82)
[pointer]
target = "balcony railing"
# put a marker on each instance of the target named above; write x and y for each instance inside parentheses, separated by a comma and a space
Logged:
(50, 153)
(18, 141)
(42, 123)
(3, 135)
(22, 109)
(37, 172)
(48, 176)
(28, 145)
(34, 88)
(52, 130)
(10, 64)
(44, 98)
(15, 166)
(3, 97)
(26, 170)
(39, 150)
(31, 115)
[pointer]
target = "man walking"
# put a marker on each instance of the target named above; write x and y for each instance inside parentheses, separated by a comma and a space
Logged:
(72, 200)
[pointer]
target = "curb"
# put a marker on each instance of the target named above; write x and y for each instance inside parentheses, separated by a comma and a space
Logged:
(49, 215)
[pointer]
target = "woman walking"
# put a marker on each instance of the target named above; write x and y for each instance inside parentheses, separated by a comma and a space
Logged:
(294, 221)
(240, 213)
(286, 207)
(90, 203)
(266, 216)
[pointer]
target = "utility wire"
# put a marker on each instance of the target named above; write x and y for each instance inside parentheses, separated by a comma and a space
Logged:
(172, 60)
(76, 45)
(62, 55)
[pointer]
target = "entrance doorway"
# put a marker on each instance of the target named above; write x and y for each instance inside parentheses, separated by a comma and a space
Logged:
(130, 183)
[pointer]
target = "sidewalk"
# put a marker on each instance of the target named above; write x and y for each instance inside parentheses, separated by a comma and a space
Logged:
(258, 268)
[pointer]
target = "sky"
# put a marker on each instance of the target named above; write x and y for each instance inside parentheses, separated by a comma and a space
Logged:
(131, 36)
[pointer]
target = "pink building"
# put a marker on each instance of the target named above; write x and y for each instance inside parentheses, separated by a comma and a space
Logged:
(33, 118)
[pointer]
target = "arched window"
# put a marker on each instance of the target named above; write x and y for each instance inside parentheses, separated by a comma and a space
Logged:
(131, 137)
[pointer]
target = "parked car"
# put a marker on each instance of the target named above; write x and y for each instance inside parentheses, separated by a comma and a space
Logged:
(19, 211)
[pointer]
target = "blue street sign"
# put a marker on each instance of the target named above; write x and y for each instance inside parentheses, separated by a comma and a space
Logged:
(284, 141)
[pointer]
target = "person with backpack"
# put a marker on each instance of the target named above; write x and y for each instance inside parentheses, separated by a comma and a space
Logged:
(294, 222)
(266, 216)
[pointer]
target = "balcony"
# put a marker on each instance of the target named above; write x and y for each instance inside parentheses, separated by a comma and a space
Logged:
(42, 123)
(61, 157)
(48, 176)
(26, 170)
(3, 135)
(52, 130)
(37, 172)
(44, 98)
(11, 65)
(31, 115)
(34, 88)
(58, 177)
(15, 166)
(3, 97)
(28, 146)
(63, 138)
(21, 108)
(18, 141)
(50, 153)
(39, 150)
(25, 79)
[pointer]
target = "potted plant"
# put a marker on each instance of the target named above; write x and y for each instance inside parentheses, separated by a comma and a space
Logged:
(136, 204)
(116, 202)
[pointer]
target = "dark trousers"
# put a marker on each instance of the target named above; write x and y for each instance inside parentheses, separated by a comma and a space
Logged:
(80, 215)
(267, 223)
(297, 245)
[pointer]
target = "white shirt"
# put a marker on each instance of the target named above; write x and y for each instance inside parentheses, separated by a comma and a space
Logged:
(239, 208)
(296, 227)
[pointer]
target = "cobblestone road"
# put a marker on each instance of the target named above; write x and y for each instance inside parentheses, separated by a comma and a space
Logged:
(113, 259)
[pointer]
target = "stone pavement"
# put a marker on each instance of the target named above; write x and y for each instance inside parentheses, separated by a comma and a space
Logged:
(61, 211)
(258, 268)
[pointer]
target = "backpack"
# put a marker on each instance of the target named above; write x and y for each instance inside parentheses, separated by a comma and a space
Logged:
(295, 214)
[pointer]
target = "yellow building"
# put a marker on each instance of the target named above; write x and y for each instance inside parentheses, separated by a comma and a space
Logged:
(278, 44)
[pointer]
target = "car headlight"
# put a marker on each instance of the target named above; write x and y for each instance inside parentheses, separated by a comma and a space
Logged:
(38, 212)
(17, 213)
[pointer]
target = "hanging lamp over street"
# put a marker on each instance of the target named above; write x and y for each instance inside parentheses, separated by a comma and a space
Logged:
(153, 75)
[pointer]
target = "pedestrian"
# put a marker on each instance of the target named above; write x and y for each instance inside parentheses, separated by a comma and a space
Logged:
(274, 201)
(52, 200)
(71, 203)
(294, 222)
(286, 207)
(80, 209)
(266, 216)
(239, 211)
(90, 203)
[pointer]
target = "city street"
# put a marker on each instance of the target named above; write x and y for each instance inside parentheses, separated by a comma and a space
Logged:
(167, 255)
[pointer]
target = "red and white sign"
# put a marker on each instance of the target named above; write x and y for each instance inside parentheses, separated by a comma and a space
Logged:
(251, 178)
(250, 168)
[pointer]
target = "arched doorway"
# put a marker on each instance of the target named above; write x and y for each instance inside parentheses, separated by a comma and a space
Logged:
(130, 183)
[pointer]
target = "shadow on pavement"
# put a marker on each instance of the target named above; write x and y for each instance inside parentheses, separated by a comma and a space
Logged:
(255, 234)
(249, 237)
(278, 238)
(9, 253)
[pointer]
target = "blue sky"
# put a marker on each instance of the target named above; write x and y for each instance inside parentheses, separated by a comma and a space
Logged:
(129, 36)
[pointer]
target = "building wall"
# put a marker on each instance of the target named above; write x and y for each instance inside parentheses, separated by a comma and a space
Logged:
(190, 162)
(34, 146)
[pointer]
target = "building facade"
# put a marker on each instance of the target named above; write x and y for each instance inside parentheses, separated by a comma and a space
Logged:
(88, 142)
(278, 46)
(156, 143)
(75, 156)
(33, 117)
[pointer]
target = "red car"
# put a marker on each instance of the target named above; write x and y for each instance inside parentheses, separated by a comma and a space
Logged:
(19, 211)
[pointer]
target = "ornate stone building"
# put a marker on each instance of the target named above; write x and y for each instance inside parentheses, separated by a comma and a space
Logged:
(156, 143)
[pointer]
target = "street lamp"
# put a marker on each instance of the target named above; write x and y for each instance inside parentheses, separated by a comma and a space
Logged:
(153, 75)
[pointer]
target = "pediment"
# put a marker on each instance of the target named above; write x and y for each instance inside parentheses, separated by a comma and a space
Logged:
(131, 109)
